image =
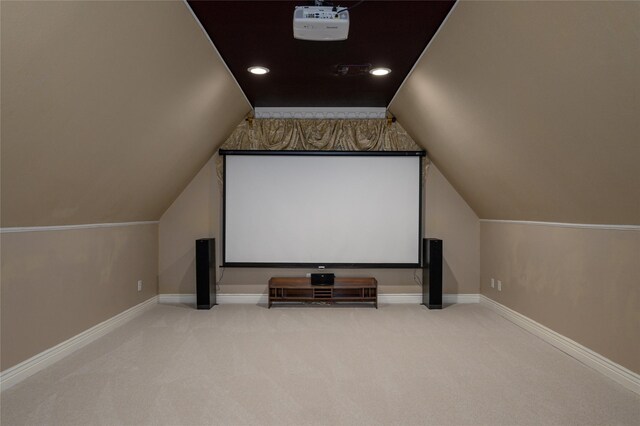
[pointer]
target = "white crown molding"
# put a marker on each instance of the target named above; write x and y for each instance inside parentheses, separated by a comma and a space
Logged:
(319, 112)
(616, 372)
(26, 368)
(261, 299)
(567, 225)
(69, 227)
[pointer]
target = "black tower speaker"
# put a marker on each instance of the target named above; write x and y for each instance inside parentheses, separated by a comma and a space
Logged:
(205, 273)
(432, 273)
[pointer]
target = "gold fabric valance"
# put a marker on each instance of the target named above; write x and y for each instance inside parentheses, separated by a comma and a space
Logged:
(319, 135)
(312, 135)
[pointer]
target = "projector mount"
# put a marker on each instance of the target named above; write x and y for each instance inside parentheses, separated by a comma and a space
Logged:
(335, 8)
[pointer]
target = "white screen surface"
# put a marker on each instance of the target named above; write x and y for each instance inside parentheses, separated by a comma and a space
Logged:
(291, 209)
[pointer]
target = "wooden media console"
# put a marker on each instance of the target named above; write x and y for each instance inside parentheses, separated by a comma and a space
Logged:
(345, 290)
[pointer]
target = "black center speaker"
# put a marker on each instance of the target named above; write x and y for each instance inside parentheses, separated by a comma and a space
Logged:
(432, 273)
(322, 279)
(205, 273)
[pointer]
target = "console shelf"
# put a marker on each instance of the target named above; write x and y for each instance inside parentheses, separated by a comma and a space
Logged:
(344, 290)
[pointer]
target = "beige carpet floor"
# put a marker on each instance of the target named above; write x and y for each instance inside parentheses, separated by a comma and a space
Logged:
(247, 365)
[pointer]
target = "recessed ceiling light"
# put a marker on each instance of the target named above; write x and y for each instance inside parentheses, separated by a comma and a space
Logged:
(379, 71)
(258, 70)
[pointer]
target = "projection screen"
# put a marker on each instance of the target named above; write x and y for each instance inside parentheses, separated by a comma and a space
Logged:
(322, 210)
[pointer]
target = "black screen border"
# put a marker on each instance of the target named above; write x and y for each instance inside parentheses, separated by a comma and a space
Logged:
(319, 265)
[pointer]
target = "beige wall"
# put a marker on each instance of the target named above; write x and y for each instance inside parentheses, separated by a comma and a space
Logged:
(449, 217)
(530, 109)
(196, 213)
(191, 216)
(108, 109)
(581, 283)
(56, 284)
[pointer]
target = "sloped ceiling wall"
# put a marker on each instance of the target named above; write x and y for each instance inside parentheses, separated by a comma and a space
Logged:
(532, 109)
(108, 109)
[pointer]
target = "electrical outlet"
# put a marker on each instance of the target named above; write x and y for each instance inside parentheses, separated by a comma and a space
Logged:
(493, 283)
(499, 285)
(308, 274)
(139, 285)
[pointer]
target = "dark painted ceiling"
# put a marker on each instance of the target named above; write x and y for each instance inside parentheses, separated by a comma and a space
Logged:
(389, 34)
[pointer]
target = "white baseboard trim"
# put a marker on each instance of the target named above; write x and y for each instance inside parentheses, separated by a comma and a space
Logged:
(258, 298)
(189, 299)
(616, 372)
(238, 299)
(398, 298)
(221, 298)
(460, 298)
(26, 368)
(416, 298)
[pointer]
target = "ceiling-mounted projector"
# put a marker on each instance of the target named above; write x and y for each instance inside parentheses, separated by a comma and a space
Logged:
(320, 23)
